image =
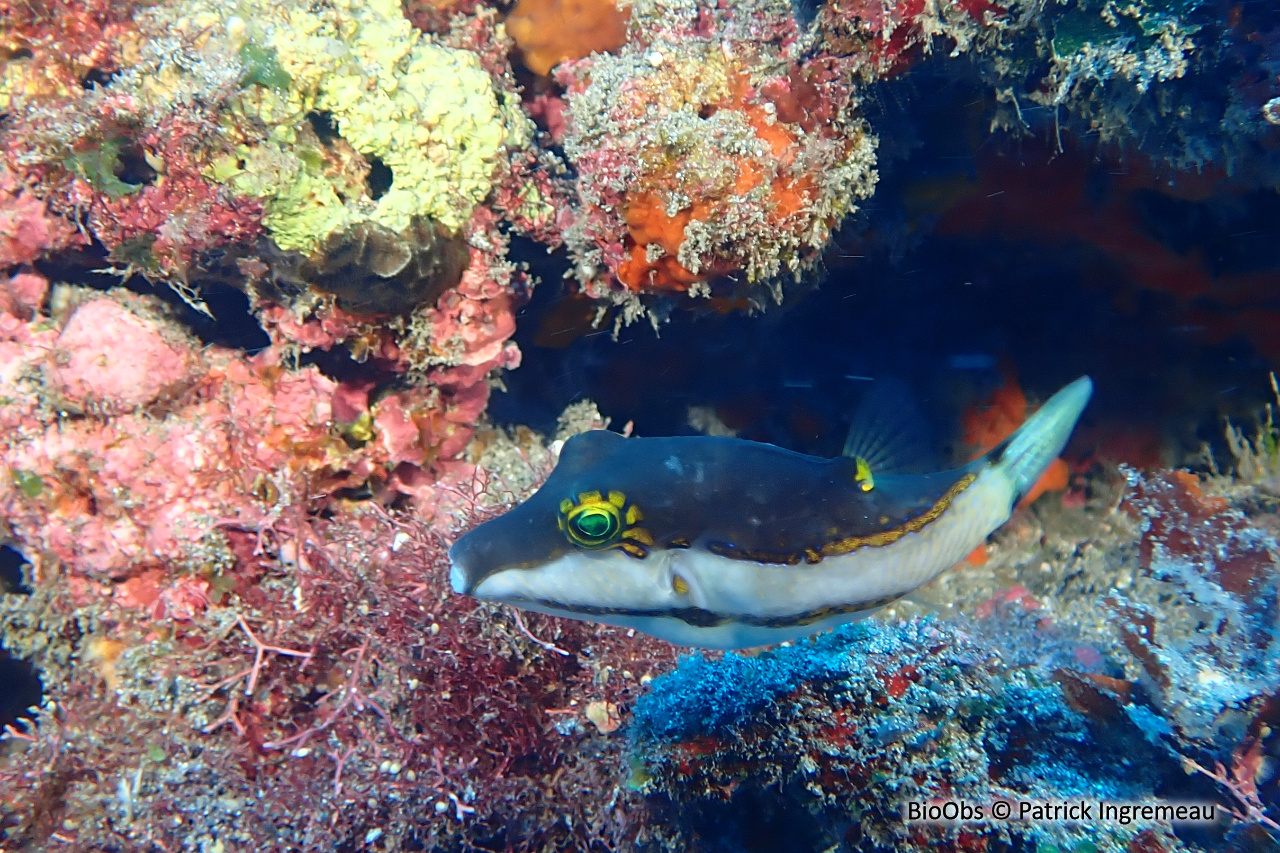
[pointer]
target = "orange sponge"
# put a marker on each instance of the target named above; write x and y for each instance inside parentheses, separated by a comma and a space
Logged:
(649, 224)
(550, 31)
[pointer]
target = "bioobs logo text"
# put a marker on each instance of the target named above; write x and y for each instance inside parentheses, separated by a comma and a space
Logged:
(944, 811)
(1099, 812)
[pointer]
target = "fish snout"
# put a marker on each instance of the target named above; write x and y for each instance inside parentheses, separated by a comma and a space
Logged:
(520, 539)
(458, 580)
(467, 559)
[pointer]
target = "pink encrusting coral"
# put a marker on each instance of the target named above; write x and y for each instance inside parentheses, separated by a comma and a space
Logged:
(190, 436)
(22, 295)
(110, 360)
(27, 229)
(109, 497)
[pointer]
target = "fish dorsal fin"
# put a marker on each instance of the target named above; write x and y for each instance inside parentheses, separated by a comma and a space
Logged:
(888, 434)
(586, 450)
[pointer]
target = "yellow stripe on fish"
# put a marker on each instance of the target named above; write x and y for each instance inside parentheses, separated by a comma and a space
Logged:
(725, 543)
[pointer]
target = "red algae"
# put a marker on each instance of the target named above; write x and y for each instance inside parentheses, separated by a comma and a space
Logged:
(215, 608)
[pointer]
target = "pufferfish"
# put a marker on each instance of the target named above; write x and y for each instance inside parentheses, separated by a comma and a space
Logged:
(723, 543)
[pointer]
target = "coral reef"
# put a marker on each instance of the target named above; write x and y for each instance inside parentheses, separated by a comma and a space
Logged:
(110, 361)
(1207, 655)
(842, 732)
(711, 145)
(54, 49)
(373, 88)
(332, 162)
(233, 584)
(27, 231)
(379, 82)
(724, 144)
(227, 607)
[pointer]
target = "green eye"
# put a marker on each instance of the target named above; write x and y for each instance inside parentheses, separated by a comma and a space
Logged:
(594, 521)
(595, 525)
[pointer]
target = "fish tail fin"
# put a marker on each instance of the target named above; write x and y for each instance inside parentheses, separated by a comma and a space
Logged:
(1026, 454)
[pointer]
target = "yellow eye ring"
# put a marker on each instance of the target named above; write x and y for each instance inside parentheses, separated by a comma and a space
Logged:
(594, 526)
(594, 522)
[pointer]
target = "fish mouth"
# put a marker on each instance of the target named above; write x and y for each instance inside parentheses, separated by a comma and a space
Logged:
(458, 580)
(474, 561)
(463, 578)
(466, 582)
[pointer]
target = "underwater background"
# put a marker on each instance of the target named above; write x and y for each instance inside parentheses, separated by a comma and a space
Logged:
(293, 295)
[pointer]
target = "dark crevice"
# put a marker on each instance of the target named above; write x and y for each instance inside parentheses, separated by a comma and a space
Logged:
(20, 689)
(97, 78)
(12, 579)
(133, 167)
(232, 324)
(380, 178)
(20, 686)
(81, 266)
(339, 365)
(324, 124)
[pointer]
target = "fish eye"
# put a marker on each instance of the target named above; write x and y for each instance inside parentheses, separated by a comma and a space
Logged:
(593, 526)
(594, 522)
